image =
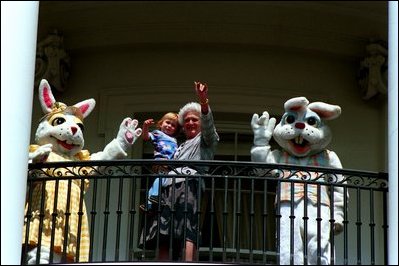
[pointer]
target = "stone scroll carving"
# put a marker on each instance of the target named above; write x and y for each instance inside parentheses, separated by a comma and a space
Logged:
(373, 72)
(52, 62)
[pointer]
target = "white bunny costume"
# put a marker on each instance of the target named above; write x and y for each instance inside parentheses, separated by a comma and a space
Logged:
(59, 137)
(304, 136)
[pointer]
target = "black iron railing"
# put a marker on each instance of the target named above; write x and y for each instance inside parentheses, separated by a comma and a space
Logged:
(238, 211)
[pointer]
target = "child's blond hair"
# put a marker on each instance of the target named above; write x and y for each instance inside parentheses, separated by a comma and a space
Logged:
(171, 116)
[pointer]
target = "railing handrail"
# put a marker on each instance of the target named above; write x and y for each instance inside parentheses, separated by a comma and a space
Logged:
(380, 175)
(379, 180)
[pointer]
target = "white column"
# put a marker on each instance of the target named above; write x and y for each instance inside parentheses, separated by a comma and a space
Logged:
(18, 51)
(393, 132)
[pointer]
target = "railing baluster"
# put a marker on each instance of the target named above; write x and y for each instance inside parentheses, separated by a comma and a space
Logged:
(118, 219)
(319, 219)
(225, 213)
(346, 261)
(359, 226)
(251, 223)
(80, 215)
(185, 217)
(278, 221)
(264, 222)
(292, 222)
(54, 216)
(41, 217)
(146, 212)
(385, 225)
(372, 227)
(132, 214)
(305, 225)
(157, 248)
(212, 219)
(93, 214)
(238, 217)
(67, 215)
(332, 220)
(172, 218)
(106, 214)
(199, 215)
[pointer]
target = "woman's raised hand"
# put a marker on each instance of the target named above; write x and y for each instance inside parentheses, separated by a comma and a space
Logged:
(202, 92)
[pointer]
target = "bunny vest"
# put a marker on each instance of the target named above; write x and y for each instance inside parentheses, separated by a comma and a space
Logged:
(319, 159)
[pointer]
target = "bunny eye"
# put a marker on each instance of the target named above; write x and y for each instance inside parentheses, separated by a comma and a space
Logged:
(290, 119)
(312, 121)
(82, 127)
(58, 121)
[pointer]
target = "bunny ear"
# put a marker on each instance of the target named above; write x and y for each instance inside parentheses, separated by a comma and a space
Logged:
(325, 110)
(86, 106)
(46, 97)
(294, 104)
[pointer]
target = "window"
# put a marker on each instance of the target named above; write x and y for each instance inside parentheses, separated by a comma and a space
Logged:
(238, 224)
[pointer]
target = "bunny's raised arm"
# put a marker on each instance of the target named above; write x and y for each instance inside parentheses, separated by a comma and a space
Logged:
(117, 148)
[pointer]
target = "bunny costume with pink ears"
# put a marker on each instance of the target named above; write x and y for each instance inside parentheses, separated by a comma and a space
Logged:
(303, 136)
(59, 137)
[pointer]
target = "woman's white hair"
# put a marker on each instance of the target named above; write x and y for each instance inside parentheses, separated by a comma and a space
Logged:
(193, 106)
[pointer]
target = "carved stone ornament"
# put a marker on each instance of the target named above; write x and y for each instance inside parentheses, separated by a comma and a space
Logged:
(52, 62)
(373, 72)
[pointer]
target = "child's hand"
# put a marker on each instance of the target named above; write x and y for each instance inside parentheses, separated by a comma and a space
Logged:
(147, 123)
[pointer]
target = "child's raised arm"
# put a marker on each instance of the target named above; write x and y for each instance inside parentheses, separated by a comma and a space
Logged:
(146, 125)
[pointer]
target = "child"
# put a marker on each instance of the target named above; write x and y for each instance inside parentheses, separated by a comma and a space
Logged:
(165, 145)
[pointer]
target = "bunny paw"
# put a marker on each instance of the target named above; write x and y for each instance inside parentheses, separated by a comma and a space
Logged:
(41, 154)
(128, 131)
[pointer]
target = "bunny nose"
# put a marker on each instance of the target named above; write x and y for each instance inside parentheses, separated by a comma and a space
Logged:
(74, 129)
(300, 125)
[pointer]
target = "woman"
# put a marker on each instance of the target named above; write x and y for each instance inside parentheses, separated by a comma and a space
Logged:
(201, 140)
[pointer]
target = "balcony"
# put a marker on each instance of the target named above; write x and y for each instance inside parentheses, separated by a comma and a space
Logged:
(238, 211)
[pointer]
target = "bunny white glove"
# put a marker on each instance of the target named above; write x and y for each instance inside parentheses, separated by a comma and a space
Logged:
(40, 155)
(262, 128)
(128, 133)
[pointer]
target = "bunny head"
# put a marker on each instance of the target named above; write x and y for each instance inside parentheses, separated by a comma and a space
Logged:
(62, 125)
(302, 131)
